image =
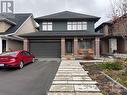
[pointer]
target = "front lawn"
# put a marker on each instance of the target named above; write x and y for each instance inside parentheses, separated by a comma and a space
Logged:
(116, 70)
(107, 86)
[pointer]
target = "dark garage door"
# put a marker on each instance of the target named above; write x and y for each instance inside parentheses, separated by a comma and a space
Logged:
(45, 49)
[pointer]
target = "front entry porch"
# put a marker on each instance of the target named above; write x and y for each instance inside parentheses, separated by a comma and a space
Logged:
(115, 45)
(80, 47)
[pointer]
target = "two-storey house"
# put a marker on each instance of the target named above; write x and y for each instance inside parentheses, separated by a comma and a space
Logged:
(115, 36)
(64, 33)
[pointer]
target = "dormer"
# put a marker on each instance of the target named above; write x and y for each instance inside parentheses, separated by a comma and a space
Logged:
(5, 24)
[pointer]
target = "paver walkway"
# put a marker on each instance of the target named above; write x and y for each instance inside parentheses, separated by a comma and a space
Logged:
(71, 79)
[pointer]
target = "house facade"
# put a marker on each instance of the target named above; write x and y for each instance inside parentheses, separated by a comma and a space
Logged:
(115, 36)
(10, 28)
(62, 34)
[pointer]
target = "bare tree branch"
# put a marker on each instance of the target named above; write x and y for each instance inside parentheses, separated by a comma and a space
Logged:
(119, 16)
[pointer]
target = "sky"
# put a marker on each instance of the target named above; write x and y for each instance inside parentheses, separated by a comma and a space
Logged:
(98, 8)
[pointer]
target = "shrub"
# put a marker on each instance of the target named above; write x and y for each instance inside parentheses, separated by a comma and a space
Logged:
(88, 57)
(116, 65)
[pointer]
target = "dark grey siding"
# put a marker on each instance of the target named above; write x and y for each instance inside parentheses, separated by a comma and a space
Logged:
(62, 26)
(90, 26)
(45, 48)
(40, 26)
(59, 26)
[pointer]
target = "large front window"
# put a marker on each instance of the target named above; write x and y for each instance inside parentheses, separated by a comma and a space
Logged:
(47, 26)
(85, 44)
(76, 25)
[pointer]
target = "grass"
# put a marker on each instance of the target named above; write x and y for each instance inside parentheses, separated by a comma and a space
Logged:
(111, 66)
(116, 70)
(119, 76)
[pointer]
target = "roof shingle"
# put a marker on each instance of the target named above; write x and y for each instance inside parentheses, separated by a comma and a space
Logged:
(61, 33)
(18, 19)
(67, 15)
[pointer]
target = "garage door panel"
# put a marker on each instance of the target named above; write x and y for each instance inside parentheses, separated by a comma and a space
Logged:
(45, 49)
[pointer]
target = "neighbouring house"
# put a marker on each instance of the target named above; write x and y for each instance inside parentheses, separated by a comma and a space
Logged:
(115, 36)
(10, 28)
(64, 34)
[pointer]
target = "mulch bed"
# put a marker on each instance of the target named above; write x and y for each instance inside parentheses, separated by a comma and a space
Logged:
(106, 86)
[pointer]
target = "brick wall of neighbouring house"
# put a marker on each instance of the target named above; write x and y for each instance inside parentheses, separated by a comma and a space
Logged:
(104, 46)
(106, 29)
(120, 45)
(119, 25)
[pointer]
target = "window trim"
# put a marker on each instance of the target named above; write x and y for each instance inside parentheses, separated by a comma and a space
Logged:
(48, 26)
(75, 25)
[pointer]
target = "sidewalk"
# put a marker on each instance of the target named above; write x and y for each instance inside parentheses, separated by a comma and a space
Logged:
(71, 79)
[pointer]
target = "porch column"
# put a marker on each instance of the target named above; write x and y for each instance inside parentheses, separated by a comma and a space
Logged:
(97, 47)
(25, 44)
(75, 46)
(62, 47)
(0, 45)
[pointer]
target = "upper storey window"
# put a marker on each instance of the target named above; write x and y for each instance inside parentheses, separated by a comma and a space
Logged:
(47, 26)
(76, 25)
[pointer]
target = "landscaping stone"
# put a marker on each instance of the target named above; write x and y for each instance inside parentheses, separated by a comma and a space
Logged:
(61, 93)
(88, 93)
(82, 78)
(62, 88)
(87, 88)
(64, 78)
(74, 82)
(82, 82)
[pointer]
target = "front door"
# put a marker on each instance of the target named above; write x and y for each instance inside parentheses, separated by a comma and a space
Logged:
(69, 46)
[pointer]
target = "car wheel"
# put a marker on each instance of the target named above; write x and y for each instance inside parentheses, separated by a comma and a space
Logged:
(33, 60)
(21, 65)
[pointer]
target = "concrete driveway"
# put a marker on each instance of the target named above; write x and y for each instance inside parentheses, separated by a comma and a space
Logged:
(33, 79)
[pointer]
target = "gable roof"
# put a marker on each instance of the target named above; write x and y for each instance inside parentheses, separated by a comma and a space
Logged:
(103, 24)
(18, 19)
(67, 15)
(7, 20)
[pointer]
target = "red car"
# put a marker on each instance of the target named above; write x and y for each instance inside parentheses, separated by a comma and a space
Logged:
(16, 58)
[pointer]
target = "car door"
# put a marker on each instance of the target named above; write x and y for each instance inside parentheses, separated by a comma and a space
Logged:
(29, 57)
(24, 57)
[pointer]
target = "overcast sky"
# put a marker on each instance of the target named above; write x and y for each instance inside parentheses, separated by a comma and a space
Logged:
(44, 7)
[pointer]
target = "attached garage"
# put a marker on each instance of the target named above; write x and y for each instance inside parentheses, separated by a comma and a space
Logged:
(45, 48)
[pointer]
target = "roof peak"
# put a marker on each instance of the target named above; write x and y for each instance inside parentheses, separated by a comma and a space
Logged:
(66, 15)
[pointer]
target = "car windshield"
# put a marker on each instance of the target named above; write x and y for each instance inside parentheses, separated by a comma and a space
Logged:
(8, 54)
